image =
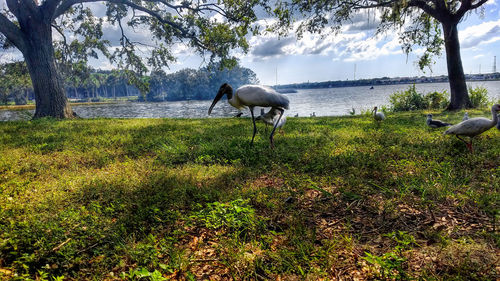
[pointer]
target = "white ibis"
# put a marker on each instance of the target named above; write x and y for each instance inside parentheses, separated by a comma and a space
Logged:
(474, 126)
(436, 123)
(378, 116)
(251, 96)
(271, 118)
(466, 116)
(266, 119)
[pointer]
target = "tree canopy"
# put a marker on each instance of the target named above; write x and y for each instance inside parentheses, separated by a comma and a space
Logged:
(213, 29)
(191, 84)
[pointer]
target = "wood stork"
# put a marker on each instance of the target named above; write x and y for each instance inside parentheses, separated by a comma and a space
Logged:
(436, 123)
(271, 118)
(466, 116)
(378, 116)
(251, 96)
(474, 126)
(313, 114)
(498, 123)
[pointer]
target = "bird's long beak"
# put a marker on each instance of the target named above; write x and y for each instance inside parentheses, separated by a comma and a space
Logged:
(216, 99)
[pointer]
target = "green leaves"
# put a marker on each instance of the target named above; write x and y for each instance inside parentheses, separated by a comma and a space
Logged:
(216, 27)
(235, 216)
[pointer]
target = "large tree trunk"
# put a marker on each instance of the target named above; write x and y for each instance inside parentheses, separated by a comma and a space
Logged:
(458, 87)
(50, 96)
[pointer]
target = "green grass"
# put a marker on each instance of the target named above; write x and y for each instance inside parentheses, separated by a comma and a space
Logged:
(179, 199)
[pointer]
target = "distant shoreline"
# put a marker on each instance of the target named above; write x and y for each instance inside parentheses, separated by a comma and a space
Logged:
(384, 81)
(292, 88)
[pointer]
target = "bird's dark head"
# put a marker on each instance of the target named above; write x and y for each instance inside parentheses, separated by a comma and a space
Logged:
(374, 109)
(429, 116)
(225, 89)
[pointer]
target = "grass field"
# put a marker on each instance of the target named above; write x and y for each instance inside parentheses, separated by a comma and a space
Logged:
(190, 199)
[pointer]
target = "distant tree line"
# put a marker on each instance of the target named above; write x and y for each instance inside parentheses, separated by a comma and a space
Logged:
(83, 84)
(15, 83)
(191, 84)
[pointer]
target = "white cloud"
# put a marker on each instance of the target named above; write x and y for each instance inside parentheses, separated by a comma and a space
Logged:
(479, 35)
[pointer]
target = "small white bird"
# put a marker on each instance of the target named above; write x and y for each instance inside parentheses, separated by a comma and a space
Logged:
(271, 117)
(474, 126)
(436, 123)
(466, 116)
(251, 96)
(378, 116)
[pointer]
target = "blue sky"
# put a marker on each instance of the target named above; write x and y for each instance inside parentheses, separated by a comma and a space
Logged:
(354, 53)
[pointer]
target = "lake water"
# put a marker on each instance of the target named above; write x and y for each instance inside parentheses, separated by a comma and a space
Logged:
(323, 102)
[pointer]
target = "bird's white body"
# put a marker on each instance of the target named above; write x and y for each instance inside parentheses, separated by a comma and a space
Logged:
(257, 95)
(474, 126)
(251, 96)
(378, 116)
(466, 116)
(271, 118)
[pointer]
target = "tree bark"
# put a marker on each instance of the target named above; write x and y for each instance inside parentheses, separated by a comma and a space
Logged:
(50, 96)
(459, 97)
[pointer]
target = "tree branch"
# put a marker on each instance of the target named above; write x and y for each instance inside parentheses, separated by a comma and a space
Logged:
(478, 4)
(377, 4)
(30, 5)
(428, 9)
(12, 32)
(466, 5)
(67, 4)
(14, 8)
(49, 8)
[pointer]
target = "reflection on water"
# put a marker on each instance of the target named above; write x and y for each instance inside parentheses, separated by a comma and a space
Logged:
(324, 102)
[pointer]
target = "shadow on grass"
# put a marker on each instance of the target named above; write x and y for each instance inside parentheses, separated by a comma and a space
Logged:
(343, 177)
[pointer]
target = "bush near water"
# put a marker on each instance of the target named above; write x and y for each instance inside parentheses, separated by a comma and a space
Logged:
(410, 99)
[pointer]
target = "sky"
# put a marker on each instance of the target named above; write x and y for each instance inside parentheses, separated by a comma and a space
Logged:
(355, 53)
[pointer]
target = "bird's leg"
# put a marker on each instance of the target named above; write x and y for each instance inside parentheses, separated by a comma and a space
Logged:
(254, 126)
(275, 125)
(469, 145)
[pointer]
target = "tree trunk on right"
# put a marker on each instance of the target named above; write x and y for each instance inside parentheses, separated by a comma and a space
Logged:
(459, 97)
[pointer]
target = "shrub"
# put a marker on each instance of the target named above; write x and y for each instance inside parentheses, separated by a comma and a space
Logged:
(410, 99)
(437, 100)
(407, 100)
(236, 216)
(478, 96)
